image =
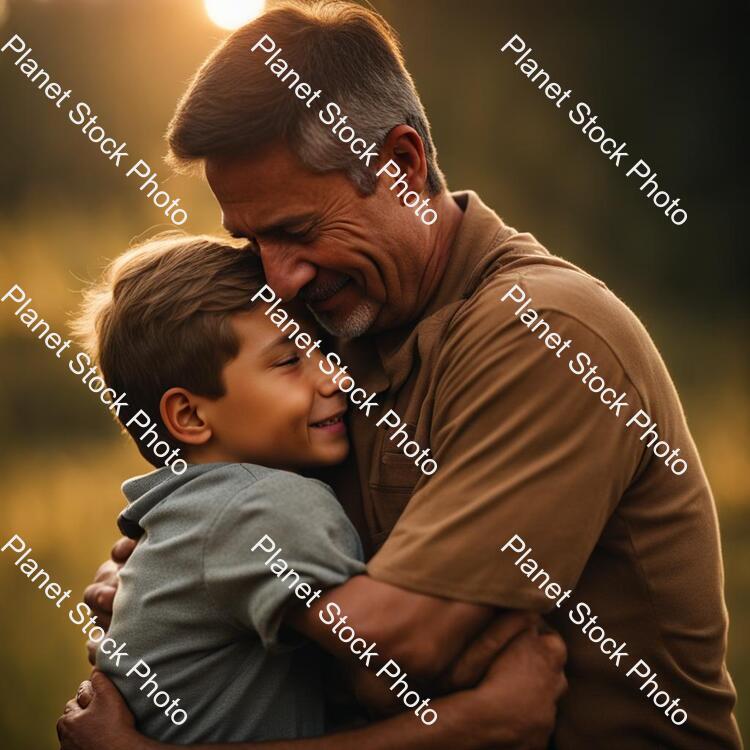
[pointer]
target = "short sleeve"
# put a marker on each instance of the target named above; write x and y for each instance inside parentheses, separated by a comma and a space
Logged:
(306, 524)
(523, 447)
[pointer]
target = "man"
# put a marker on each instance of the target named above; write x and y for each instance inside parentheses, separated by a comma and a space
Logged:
(441, 320)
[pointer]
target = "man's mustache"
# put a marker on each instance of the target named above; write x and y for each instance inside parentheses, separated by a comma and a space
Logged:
(318, 291)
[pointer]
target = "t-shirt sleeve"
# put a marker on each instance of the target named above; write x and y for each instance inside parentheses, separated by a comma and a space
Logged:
(299, 517)
(523, 447)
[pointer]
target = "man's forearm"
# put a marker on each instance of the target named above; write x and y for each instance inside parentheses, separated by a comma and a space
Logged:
(423, 634)
(512, 707)
(405, 732)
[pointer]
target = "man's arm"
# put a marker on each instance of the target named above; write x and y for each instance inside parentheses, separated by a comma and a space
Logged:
(513, 707)
(467, 671)
(424, 634)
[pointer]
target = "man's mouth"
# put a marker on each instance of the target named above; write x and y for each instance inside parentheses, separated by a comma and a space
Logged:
(314, 294)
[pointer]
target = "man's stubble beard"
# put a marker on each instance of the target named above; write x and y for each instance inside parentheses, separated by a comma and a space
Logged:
(349, 326)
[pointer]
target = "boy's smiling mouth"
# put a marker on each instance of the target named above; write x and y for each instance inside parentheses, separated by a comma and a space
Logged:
(333, 423)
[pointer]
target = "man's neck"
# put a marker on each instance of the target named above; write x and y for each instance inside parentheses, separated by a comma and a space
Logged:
(445, 234)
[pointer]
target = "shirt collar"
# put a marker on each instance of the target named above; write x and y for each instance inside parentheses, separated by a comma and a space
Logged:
(480, 230)
(384, 360)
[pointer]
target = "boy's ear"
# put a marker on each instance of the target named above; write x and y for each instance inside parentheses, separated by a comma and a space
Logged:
(179, 412)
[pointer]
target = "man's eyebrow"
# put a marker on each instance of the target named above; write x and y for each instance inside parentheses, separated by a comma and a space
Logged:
(279, 225)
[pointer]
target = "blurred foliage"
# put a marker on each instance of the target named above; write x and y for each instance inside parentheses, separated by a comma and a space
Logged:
(665, 78)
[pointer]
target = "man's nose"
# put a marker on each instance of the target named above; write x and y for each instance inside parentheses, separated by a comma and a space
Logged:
(285, 272)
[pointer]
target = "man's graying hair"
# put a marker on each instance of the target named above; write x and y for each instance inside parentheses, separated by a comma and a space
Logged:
(235, 104)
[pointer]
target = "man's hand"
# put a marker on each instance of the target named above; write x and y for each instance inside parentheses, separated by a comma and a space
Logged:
(517, 662)
(474, 663)
(97, 718)
(516, 703)
(100, 594)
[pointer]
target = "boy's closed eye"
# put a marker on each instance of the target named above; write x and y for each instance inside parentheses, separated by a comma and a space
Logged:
(288, 361)
(281, 353)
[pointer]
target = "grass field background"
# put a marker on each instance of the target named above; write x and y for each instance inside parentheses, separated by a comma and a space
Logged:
(665, 81)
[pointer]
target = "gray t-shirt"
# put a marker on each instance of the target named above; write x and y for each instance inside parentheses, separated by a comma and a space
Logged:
(203, 610)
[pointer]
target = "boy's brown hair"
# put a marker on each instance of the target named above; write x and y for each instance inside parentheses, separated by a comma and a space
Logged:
(159, 318)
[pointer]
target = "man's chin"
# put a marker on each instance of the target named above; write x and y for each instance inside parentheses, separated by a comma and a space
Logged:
(350, 324)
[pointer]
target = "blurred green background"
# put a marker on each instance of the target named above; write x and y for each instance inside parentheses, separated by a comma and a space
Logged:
(663, 77)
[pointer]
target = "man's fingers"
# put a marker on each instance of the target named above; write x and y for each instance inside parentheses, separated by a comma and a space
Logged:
(503, 629)
(473, 664)
(104, 689)
(555, 647)
(123, 549)
(63, 723)
(100, 682)
(109, 701)
(85, 694)
(61, 727)
(99, 596)
(107, 573)
(548, 650)
(91, 649)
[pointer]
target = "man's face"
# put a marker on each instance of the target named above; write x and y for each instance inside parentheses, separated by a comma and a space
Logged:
(357, 262)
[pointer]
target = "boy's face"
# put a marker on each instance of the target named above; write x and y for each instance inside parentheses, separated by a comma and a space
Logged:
(279, 409)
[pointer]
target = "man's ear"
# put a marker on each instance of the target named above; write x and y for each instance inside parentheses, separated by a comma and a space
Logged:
(181, 416)
(404, 145)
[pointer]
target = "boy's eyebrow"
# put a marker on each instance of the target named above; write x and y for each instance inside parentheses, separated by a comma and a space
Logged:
(275, 344)
(277, 226)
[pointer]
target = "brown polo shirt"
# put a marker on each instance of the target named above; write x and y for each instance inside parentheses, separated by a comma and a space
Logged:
(525, 447)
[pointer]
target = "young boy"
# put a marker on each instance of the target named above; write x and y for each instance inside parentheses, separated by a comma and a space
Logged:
(200, 606)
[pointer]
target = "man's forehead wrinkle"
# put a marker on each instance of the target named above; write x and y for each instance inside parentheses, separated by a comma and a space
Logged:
(243, 218)
(288, 219)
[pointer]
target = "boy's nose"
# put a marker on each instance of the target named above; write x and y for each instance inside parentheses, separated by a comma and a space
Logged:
(326, 386)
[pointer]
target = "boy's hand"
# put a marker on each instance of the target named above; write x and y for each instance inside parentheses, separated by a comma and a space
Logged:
(101, 593)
